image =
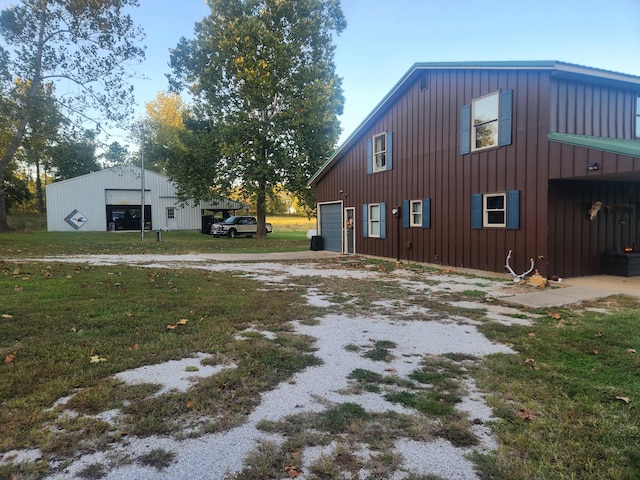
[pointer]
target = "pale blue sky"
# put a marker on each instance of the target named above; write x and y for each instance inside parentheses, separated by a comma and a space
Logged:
(384, 38)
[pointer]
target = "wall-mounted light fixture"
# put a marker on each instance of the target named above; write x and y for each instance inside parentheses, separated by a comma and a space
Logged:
(592, 166)
(342, 194)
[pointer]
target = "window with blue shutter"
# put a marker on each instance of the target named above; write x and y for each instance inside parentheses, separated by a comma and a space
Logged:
(380, 153)
(496, 210)
(486, 122)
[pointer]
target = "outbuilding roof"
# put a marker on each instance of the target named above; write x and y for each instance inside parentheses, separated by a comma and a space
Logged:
(558, 70)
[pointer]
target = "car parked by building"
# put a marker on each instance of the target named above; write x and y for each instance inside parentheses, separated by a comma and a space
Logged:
(237, 225)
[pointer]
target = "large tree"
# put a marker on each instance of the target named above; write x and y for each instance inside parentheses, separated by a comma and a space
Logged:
(267, 97)
(88, 46)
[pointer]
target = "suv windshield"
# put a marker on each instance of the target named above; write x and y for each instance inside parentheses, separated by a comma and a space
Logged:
(230, 220)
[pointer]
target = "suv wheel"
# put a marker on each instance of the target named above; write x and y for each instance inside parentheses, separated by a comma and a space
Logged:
(232, 233)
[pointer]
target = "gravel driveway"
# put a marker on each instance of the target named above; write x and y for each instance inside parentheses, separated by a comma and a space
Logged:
(414, 332)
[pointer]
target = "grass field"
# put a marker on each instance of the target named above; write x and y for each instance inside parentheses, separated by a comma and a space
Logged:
(289, 234)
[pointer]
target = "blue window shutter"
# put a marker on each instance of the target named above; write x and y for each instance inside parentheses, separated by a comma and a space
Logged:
(476, 211)
(369, 156)
(406, 223)
(389, 151)
(513, 210)
(365, 220)
(383, 220)
(426, 213)
(465, 129)
(506, 109)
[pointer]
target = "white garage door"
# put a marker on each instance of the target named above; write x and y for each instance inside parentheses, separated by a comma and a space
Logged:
(126, 197)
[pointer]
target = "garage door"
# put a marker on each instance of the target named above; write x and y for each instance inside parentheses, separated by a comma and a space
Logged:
(331, 226)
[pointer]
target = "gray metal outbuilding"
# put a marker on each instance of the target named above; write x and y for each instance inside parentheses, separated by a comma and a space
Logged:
(110, 200)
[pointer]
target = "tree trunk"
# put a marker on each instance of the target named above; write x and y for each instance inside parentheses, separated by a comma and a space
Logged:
(261, 212)
(39, 192)
(7, 156)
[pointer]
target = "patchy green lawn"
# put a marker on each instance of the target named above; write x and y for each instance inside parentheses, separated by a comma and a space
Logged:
(566, 403)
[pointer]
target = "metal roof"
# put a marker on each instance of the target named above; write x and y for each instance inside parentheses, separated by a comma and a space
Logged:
(559, 69)
(618, 146)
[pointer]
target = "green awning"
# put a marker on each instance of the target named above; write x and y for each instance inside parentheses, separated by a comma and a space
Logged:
(618, 146)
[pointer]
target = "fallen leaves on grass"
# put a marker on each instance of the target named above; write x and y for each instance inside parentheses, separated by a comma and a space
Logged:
(292, 471)
(630, 350)
(555, 316)
(173, 326)
(623, 399)
(96, 359)
(526, 414)
(9, 358)
(6, 316)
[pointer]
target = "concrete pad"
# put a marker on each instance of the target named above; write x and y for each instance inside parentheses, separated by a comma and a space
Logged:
(556, 297)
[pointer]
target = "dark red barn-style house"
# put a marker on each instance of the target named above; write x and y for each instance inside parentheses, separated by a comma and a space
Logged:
(461, 163)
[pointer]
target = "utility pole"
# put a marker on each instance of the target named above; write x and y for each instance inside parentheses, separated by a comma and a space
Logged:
(142, 187)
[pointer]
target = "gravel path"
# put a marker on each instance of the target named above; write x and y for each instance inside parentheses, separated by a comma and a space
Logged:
(216, 456)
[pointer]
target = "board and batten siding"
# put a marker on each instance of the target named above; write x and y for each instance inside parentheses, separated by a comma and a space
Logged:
(591, 109)
(427, 164)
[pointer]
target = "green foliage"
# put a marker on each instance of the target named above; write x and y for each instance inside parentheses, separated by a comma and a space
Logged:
(268, 94)
(74, 157)
(88, 44)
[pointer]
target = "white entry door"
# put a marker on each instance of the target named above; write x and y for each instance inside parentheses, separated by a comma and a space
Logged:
(171, 218)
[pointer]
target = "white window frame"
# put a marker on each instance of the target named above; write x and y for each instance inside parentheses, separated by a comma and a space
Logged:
(486, 211)
(415, 213)
(171, 213)
(493, 123)
(379, 157)
(375, 222)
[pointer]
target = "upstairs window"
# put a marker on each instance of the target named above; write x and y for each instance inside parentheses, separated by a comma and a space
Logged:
(379, 151)
(484, 128)
(486, 122)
